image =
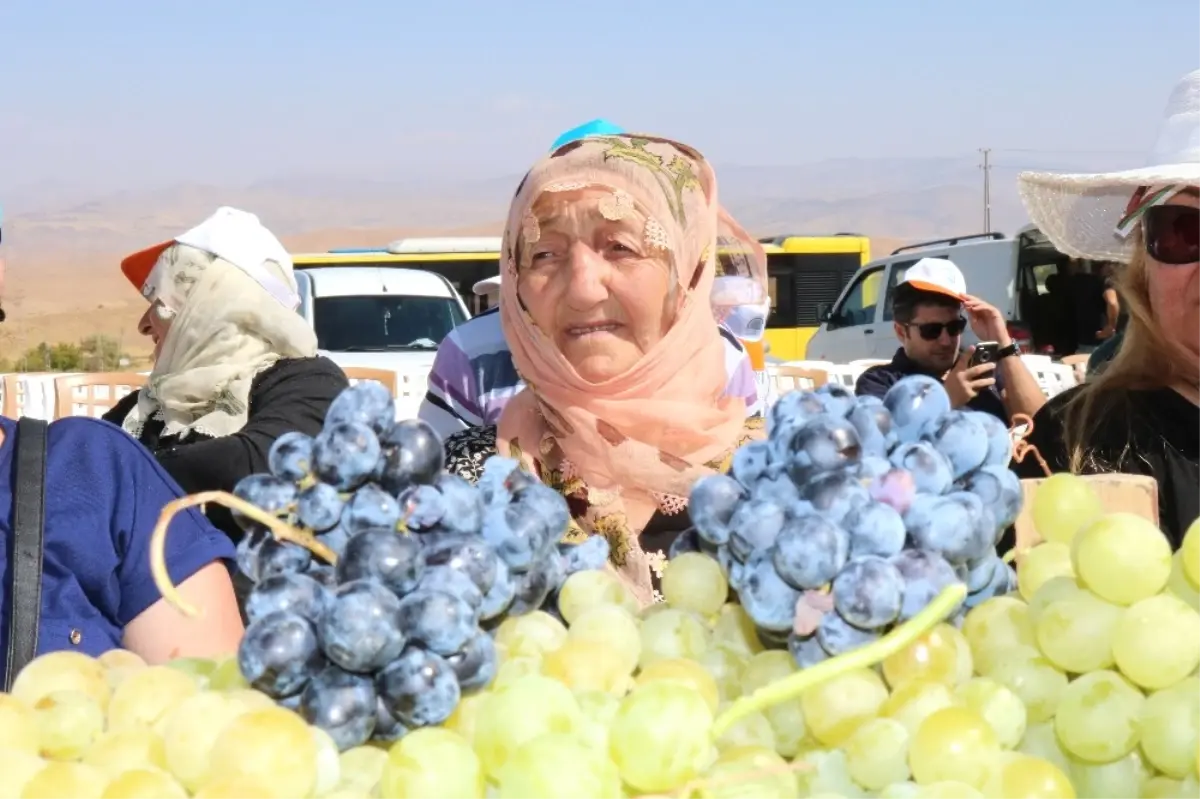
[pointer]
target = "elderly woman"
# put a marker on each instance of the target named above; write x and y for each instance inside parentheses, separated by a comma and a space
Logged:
(609, 261)
(1140, 413)
(235, 366)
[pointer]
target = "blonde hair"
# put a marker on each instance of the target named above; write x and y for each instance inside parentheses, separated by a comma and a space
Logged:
(1145, 360)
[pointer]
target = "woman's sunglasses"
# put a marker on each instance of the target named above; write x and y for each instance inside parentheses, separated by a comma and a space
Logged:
(1172, 234)
(932, 331)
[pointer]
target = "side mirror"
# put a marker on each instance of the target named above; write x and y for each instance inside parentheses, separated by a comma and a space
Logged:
(824, 312)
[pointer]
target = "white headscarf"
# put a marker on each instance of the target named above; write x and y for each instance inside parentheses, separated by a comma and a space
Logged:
(225, 330)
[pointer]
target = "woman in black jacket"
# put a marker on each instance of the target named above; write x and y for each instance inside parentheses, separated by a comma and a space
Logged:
(235, 366)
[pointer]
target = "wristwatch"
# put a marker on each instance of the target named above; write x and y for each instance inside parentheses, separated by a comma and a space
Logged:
(1005, 352)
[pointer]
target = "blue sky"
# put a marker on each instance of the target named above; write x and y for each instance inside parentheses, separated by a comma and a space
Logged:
(128, 93)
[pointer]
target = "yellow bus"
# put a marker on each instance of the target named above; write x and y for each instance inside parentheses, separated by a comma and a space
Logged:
(805, 272)
(464, 261)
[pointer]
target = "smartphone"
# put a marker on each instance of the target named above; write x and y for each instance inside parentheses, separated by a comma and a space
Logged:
(985, 352)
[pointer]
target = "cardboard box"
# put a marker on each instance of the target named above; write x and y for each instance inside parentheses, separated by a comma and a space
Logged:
(1128, 493)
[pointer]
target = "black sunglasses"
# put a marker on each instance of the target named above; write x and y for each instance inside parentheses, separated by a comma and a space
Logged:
(1172, 234)
(932, 331)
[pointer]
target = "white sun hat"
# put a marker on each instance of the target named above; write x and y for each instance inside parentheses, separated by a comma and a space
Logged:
(1090, 215)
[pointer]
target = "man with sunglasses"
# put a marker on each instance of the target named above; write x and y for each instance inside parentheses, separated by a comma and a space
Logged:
(930, 311)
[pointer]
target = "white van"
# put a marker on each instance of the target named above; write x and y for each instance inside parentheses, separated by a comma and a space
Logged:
(1009, 272)
(380, 317)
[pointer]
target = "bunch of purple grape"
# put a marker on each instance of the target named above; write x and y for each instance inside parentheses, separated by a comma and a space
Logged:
(855, 513)
(392, 636)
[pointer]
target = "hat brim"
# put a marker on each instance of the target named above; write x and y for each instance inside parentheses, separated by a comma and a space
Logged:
(137, 267)
(934, 288)
(1079, 213)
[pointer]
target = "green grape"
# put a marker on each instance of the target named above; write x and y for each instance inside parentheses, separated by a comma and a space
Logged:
(69, 722)
(1048, 593)
(1098, 717)
(190, 731)
(17, 768)
(911, 702)
(695, 582)
(1156, 642)
(66, 781)
(521, 711)
(952, 744)
(826, 774)
(512, 669)
(1190, 554)
(997, 705)
(227, 676)
(1179, 584)
(837, 707)
(143, 783)
(1076, 632)
(726, 668)
(1041, 741)
(598, 709)
(18, 726)
(940, 655)
(143, 699)
(1162, 788)
(733, 630)
(462, 720)
(361, 768)
(1018, 775)
(948, 789)
(236, 786)
(1044, 562)
(672, 633)
(199, 669)
(62, 671)
(786, 718)
(431, 762)
(903, 790)
(1170, 728)
(273, 746)
(1122, 558)
(119, 664)
(588, 665)
(553, 766)
(589, 588)
(688, 673)
(1119, 779)
(748, 771)
(877, 753)
(114, 753)
(1035, 680)
(328, 763)
(611, 626)
(532, 634)
(1062, 505)
(996, 630)
(659, 738)
(752, 730)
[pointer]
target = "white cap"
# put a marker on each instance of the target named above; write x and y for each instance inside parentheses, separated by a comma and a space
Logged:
(938, 275)
(489, 285)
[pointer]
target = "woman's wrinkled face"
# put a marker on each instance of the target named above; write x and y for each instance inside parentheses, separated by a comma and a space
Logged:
(1175, 292)
(593, 284)
(153, 325)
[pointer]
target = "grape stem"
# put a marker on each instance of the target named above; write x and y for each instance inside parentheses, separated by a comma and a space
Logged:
(792, 686)
(1021, 447)
(281, 530)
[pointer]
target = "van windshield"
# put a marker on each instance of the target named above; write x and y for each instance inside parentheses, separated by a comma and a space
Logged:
(377, 323)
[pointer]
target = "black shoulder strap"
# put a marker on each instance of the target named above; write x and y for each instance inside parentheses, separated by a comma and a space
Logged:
(28, 516)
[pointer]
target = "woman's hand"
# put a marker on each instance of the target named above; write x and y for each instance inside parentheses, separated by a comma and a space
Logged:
(161, 633)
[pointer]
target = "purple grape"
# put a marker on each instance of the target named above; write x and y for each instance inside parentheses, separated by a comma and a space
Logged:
(930, 470)
(960, 439)
(290, 456)
(913, 403)
(868, 593)
(810, 551)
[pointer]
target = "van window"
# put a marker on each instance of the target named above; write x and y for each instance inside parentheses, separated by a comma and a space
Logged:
(374, 323)
(858, 305)
(899, 269)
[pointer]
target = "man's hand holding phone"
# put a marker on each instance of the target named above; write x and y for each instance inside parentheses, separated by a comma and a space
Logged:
(964, 382)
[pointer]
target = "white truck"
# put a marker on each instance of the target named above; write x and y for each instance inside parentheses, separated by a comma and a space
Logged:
(381, 317)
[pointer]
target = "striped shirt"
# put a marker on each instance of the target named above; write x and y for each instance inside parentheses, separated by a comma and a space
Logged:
(473, 376)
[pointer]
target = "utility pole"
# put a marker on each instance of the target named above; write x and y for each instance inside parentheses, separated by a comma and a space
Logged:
(987, 189)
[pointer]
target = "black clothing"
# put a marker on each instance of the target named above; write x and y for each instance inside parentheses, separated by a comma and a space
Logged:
(876, 381)
(1152, 432)
(293, 394)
